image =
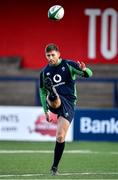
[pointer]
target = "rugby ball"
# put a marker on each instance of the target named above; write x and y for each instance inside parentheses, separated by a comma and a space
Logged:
(56, 12)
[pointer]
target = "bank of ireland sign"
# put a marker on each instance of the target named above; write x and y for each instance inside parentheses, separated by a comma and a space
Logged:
(96, 125)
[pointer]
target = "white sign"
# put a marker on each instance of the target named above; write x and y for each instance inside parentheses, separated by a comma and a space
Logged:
(89, 125)
(28, 123)
(108, 32)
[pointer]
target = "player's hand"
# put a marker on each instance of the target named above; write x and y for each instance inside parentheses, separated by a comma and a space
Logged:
(48, 117)
(82, 65)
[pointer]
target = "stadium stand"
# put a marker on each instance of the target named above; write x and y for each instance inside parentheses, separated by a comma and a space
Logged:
(15, 90)
(22, 88)
(10, 62)
(95, 95)
(99, 94)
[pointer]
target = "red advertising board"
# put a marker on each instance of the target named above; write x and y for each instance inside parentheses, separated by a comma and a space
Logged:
(88, 31)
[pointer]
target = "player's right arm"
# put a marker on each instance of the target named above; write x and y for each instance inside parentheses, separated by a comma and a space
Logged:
(43, 95)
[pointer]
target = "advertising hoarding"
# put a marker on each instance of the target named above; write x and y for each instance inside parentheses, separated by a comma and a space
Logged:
(28, 124)
(96, 125)
(87, 32)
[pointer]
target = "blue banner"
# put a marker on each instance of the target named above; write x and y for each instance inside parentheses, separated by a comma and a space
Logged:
(96, 125)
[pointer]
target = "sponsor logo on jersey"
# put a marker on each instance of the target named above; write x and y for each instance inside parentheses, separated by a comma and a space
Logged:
(57, 78)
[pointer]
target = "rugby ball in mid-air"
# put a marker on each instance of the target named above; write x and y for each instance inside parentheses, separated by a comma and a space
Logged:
(56, 12)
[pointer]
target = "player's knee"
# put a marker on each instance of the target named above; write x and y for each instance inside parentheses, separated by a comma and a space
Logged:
(55, 104)
(60, 138)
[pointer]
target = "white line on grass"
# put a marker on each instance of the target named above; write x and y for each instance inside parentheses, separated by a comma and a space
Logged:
(51, 151)
(89, 173)
(60, 174)
(45, 151)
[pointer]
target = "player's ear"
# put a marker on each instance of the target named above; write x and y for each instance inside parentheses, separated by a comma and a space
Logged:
(59, 54)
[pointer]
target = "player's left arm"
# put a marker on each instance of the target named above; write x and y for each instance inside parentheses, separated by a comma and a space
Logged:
(79, 69)
(87, 72)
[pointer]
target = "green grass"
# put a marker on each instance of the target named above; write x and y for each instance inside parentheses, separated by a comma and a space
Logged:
(99, 163)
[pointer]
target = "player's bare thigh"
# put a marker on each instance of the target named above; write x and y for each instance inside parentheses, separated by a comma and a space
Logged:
(62, 128)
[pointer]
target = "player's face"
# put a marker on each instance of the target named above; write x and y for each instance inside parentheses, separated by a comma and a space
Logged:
(53, 57)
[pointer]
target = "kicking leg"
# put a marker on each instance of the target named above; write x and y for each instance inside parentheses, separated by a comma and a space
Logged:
(53, 98)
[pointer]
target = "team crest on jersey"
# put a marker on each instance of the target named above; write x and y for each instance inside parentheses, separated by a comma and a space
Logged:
(63, 68)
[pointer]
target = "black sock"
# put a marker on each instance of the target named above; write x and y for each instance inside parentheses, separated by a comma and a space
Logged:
(59, 147)
(52, 97)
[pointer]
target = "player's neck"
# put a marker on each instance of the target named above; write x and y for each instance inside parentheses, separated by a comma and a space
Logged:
(58, 62)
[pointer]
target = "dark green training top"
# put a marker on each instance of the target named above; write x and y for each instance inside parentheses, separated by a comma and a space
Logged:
(63, 76)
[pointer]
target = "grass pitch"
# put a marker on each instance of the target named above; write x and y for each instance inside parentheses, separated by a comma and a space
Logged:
(81, 160)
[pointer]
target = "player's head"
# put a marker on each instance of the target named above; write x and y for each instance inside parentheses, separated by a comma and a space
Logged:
(52, 53)
(51, 47)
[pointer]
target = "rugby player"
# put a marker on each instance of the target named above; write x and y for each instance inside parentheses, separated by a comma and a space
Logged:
(58, 94)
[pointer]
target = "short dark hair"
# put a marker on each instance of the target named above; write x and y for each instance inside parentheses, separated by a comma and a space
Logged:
(51, 47)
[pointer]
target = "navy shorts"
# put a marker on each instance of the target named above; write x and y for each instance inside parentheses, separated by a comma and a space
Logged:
(66, 109)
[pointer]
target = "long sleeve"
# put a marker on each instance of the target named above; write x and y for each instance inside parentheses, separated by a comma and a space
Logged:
(43, 93)
(87, 73)
(43, 99)
(76, 71)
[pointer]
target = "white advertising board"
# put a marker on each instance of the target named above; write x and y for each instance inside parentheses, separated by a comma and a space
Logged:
(28, 124)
